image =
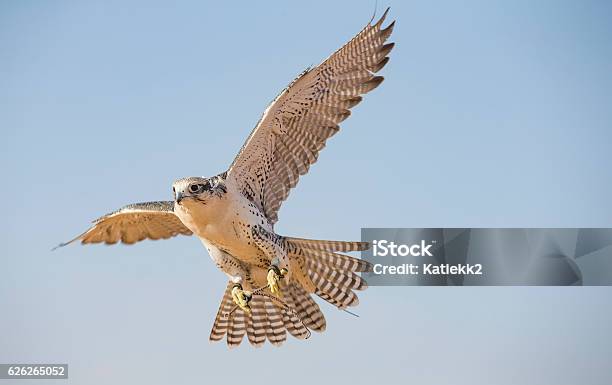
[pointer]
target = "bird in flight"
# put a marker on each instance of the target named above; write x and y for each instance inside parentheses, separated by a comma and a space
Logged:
(271, 277)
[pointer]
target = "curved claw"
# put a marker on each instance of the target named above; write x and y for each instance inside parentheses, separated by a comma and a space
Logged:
(274, 277)
(242, 298)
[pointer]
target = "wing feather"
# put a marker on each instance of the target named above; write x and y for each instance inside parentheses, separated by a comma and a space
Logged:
(134, 223)
(295, 127)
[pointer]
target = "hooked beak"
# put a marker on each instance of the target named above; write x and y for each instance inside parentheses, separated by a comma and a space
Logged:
(179, 197)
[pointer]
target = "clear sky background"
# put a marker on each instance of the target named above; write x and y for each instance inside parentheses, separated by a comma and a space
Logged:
(493, 113)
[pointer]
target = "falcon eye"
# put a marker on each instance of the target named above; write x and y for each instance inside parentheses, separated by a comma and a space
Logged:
(194, 188)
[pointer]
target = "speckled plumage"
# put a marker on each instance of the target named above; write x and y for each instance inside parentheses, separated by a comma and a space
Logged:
(233, 213)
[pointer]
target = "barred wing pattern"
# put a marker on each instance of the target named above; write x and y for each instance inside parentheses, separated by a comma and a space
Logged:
(296, 125)
(133, 223)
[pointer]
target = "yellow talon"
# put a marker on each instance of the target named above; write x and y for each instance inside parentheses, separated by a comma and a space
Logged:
(274, 277)
(242, 298)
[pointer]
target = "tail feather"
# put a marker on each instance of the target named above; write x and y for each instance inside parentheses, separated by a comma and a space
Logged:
(340, 261)
(275, 328)
(221, 322)
(346, 279)
(257, 322)
(299, 272)
(315, 244)
(268, 319)
(307, 308)
(332, 273)
(318, 269)
(236, 329)
(342, 297)
(293, 324)
(339, 299)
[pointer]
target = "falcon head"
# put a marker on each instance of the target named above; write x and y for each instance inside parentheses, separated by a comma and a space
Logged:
(192, 189)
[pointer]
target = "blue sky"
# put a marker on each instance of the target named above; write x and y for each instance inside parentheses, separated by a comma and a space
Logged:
(493, 114)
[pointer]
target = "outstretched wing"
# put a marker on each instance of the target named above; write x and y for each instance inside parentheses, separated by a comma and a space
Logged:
(133, 223)
(296, 125)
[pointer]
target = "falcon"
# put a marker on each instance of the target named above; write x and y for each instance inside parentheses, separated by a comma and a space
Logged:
(272, 277)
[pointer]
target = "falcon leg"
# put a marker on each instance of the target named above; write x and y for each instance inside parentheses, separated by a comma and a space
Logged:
(274, 276)
(242, 298)
(272, 245)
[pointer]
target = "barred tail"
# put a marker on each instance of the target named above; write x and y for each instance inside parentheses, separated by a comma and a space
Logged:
(268, 319)
(315, 244)
(318, 268)
(332, 274)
